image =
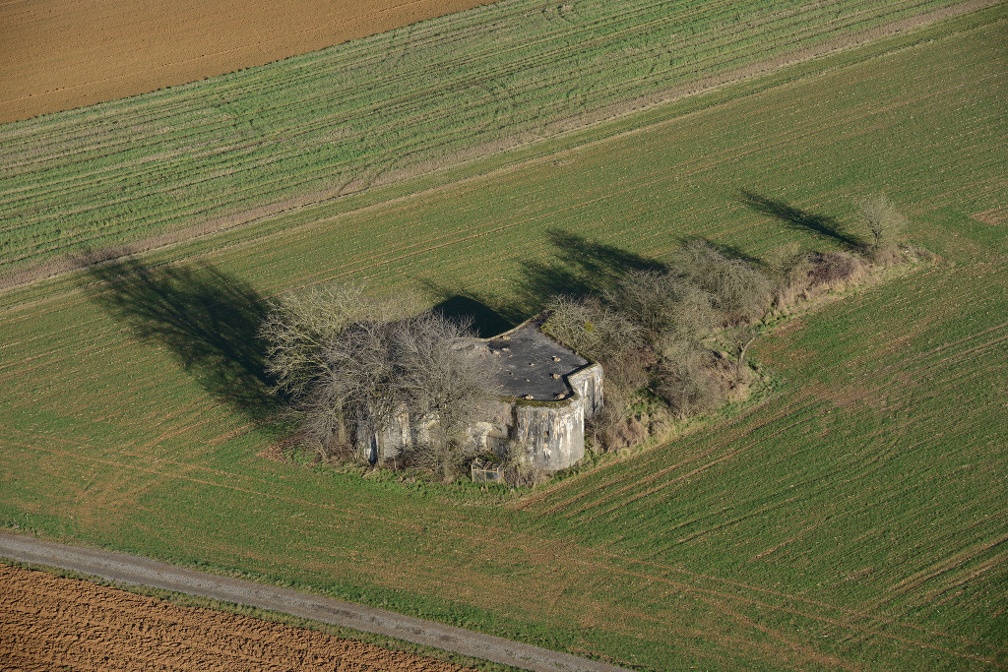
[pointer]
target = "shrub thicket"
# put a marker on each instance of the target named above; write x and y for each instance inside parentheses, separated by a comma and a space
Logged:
(662, 336)
(347, 361)
(653, 331)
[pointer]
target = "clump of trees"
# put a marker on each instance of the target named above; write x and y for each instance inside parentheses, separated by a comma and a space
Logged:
(347, 361)
(674, 342)
(656, 335)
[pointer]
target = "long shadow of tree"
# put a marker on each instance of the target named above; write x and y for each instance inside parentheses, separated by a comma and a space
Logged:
(206, 318)
(726, 250)
(580, 267)
(820, 225)
(483, 320)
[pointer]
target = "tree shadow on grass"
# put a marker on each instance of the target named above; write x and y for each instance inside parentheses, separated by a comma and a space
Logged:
(206, 318)
(820, 225)
(483, 321)
(726, 250)
(580, 267)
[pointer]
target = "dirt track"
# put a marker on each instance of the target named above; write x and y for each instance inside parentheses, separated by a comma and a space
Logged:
(59, 55)
(48, 623)
(137, 571)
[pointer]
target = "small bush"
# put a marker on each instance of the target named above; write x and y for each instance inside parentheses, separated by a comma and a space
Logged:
(445, 459)
(740, 291)
(614, 429)
(835, 270)
(664, 306)
(792, 269)
(591, 328)
(690, 383)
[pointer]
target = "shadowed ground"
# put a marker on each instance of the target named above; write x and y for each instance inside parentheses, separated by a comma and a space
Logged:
(207, 319)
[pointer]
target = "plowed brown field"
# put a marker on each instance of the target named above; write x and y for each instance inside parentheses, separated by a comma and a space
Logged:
(59, 55)
(47, 622)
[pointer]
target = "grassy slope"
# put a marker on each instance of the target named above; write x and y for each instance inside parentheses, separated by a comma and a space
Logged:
(214, 153)
(854, 519)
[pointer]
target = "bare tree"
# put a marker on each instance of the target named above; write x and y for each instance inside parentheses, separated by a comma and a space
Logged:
(666, 307)
(603, 334)
(347, 361)
(743, 336)
(688, 381)
(444, 379)
(791, 266)
(884, 222)
(300, 326)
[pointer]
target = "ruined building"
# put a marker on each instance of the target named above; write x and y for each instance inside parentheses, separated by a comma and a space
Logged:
(546, 392)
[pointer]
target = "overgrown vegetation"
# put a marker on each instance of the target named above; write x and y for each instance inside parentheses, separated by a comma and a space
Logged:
(673, 342)
(352, 365)
(854, 518)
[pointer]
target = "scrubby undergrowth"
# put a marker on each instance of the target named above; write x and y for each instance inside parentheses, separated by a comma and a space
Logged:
(674, 341)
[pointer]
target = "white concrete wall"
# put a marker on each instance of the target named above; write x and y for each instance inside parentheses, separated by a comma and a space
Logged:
(551, 433)
(587, 384)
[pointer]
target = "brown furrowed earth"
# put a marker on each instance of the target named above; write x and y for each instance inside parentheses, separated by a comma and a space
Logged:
(50, 622)
(59, 55)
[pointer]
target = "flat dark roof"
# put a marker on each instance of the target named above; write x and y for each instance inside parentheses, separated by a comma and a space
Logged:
(532, 364)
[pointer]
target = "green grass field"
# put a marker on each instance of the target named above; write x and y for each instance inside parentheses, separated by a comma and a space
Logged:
(233, 149)
(852, 518)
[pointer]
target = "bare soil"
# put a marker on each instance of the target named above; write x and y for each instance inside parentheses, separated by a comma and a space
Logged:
(131, 570)
(59, 55)
(48, 622)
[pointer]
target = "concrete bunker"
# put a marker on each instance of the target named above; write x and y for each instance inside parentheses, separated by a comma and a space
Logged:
(545, 392)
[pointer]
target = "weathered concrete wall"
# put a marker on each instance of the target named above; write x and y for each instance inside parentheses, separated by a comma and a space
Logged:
(493, 433)
(396, 439)
(549, 431)
(552, 434)
(587, 384)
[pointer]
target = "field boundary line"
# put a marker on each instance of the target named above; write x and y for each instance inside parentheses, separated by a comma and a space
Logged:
(134, 570)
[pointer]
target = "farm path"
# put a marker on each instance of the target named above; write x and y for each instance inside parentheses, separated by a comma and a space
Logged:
(138, 571)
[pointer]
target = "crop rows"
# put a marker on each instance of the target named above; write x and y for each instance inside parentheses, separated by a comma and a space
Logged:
(341, 119)
(861, 476)
(853, 519)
